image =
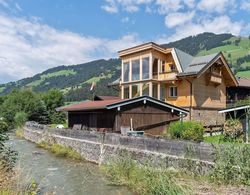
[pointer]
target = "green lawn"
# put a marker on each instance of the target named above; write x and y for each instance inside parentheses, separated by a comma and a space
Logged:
(2, 89)
(49, 75)
(232, 52)
(245, 74)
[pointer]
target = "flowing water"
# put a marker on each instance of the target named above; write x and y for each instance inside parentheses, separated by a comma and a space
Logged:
(57, 175)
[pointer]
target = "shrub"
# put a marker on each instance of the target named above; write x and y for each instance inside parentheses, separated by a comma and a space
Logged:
(188, 130)
(233, 129)
(20, 119)
(3, 126)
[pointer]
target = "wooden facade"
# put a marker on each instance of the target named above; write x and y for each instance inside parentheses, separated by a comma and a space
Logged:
(200, 82)
(143, 113)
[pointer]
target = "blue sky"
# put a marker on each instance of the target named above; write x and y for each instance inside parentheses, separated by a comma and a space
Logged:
(39, 34)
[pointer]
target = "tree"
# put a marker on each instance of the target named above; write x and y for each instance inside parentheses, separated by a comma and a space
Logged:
(20, 119)
(54, 99)
(22, 101)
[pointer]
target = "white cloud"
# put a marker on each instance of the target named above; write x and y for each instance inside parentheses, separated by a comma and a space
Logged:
(220, 24)
(28, 47)
(178, 18)
(168, 5)
(112, 6)
(215, 5)
(245, 5)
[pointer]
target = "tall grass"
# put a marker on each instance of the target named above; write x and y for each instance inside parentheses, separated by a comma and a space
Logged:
(60, 150)
(232, 165)
(141, 179)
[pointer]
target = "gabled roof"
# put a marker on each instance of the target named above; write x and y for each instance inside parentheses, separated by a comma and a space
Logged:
(112, 104)
(196, 64)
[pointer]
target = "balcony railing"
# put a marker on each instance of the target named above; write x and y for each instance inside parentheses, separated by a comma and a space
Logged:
(165, 76)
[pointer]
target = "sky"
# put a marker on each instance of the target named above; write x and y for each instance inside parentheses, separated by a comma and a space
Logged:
(39, 34)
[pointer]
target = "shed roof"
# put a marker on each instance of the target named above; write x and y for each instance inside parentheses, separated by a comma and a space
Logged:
(243, 107)
(244, 82)
(115, 103)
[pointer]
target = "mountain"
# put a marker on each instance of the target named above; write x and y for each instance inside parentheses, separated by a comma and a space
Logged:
(75, 80)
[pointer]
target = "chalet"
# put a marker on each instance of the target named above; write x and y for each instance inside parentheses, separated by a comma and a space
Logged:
(197, 84)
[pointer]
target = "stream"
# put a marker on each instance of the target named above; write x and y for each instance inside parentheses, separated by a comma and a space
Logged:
(57, 175)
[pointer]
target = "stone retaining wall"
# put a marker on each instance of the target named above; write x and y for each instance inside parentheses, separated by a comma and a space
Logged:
(101, 148)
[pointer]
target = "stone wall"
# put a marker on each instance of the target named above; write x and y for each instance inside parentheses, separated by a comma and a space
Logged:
(102, 148)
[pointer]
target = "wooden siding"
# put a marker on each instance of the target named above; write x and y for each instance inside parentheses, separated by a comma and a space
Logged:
(147, 118)
(208, 95)
(183, 92)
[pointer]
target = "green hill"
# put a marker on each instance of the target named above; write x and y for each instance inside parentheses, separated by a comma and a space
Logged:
(75, 80)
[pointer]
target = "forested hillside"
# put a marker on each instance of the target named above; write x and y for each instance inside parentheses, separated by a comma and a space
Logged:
(75, 80)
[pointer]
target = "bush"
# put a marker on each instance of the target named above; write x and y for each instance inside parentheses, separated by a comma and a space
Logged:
(3, 126)
(188, 130)
(233, 129)
(20, 119)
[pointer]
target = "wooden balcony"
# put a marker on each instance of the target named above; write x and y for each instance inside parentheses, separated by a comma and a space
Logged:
(214, 78)
(165, 76)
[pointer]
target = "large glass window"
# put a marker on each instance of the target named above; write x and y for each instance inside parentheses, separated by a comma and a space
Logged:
(145, 89)
(135, 90)
(155, 90)
(126, 92)
(145, 68)
(135, 70)
(126, 72)
(163, 92)
(173, 91)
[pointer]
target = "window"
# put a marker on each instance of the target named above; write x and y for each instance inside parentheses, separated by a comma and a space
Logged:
(145, 68)
(163, 67)
(155, 90)
(163, 92)
(172, 67)
(173, 91)
(126, 72)
(145, 89)
(135, 70)
(135, 90)
(126, 92)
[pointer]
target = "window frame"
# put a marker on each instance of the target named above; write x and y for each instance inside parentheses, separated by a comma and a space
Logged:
(123, 76)
(137, 79)
(176, 92)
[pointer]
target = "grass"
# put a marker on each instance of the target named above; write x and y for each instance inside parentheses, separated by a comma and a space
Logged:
(49, 75)
(2, 89)
(141, 179)
(230, 176)
(244, 74)
(97, 79)
(19, 133)
(60, 150)
(11, 183)
(235, 51)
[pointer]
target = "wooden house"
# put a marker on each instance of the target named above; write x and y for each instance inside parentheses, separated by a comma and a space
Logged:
(197, 84)
(140, 113)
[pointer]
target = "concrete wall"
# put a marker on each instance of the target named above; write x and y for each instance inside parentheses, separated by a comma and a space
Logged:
(101, 148)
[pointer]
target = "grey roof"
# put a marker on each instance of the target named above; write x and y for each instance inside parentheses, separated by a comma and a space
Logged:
(183, 58)
(196, 64)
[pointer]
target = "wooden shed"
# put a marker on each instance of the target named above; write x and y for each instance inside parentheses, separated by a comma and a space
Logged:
(141, 113)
